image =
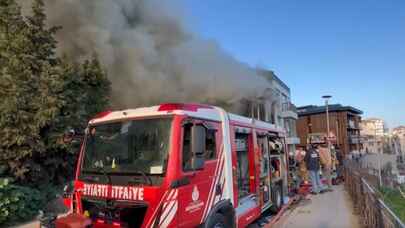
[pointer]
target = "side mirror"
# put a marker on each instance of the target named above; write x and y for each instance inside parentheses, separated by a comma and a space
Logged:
(67, 197)
(198, 134)
(69, 136)
(68, 189)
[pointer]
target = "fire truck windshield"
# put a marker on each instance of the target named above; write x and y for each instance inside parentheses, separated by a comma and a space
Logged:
(130, 147)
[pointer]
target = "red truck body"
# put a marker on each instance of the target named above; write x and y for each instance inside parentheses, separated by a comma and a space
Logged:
(143, 168)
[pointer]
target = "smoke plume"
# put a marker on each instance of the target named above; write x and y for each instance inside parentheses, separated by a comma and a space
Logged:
(148, 53)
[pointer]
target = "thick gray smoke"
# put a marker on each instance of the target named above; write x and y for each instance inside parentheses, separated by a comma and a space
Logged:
(149, 55)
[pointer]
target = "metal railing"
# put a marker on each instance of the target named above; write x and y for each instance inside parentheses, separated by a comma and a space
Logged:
(373, 212)
(355, 139)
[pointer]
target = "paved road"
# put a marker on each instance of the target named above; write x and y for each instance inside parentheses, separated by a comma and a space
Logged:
(328, 210)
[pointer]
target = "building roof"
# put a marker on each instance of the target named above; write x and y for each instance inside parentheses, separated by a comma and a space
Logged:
(281, 83)
(314, 109)
(270, 75)
(373, 119)
(399, 128)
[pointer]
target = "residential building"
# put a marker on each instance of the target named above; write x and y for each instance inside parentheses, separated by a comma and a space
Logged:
(372, 144)
(399, 130)
(373, 126)
(374, 134)
(398, 143)
(344, 125)
(275, 106)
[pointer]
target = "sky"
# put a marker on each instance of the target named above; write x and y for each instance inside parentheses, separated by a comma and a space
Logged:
(352, 50)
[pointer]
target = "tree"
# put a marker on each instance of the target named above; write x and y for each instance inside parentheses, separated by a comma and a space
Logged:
(18, 85)
(40, 96)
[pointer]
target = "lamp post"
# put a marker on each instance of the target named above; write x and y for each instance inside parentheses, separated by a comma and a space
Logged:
(327, 97)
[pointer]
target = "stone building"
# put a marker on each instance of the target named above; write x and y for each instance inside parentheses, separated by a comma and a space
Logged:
(374, 134)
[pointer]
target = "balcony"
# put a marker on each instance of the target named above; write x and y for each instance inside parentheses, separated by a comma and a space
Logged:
(352, 125)
(355, 139)
(289, 110)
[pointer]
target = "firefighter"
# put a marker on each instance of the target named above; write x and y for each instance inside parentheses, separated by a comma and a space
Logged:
(326, 161)
(303, 172)
(312, 162)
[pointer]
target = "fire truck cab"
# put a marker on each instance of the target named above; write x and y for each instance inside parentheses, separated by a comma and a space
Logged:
(177, 165)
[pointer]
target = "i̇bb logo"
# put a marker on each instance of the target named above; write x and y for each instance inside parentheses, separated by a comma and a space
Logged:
(196, 204)
(195, 195)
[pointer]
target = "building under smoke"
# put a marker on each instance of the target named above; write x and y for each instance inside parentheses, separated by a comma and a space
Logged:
(151, 58)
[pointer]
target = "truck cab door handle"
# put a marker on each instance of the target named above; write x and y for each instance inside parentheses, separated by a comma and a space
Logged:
(180, 182)
(218, 189)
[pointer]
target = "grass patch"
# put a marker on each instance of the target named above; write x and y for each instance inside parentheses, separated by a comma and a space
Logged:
(395, 201)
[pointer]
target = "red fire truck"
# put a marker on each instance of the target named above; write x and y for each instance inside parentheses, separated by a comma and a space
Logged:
(177, 165)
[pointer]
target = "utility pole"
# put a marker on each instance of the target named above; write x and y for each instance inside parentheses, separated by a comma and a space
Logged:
(378, 157)
(327, 97)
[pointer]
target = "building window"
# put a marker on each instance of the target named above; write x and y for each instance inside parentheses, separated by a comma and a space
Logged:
(210, 144)
(187, 155)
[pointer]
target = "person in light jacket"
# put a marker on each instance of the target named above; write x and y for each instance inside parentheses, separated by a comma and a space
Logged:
(326, 161)
(303, 172)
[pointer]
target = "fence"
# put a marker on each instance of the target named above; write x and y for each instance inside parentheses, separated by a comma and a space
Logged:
(373, 212)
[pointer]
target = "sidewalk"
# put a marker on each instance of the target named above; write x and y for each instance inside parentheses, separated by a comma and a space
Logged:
(328, 210)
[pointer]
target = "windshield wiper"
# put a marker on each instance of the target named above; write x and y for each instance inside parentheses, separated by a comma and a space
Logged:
(146, 178)
(91, 179)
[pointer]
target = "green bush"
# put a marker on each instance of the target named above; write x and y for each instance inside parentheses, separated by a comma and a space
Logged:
(18, 203)
(395, 201)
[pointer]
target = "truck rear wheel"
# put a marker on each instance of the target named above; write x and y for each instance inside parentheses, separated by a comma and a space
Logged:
(277, 199)
(216, 221)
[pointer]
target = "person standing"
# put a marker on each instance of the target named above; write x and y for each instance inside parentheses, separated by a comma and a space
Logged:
(326, 161)
(339, 164)
(312, 162)
(303, 172)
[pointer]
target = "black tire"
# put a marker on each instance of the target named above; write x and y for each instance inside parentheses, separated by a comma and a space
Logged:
(216, 221)
(254, 225)
(277, 199)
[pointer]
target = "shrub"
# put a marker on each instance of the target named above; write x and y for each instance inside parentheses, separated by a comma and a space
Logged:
(395, 201)
(18, 203)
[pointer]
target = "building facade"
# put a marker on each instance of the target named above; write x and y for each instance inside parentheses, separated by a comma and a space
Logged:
(275, 106)
(374, 134)
(344, 125)
(398, 143)
(373, 126)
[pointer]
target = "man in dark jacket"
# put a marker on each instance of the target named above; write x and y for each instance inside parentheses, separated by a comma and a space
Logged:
(312, 162)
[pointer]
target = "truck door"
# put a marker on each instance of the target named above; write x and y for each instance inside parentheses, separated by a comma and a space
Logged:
(248, 207)
(205, 185)
(264, 157)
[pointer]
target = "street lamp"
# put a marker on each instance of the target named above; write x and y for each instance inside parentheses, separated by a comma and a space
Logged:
(327, 97)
